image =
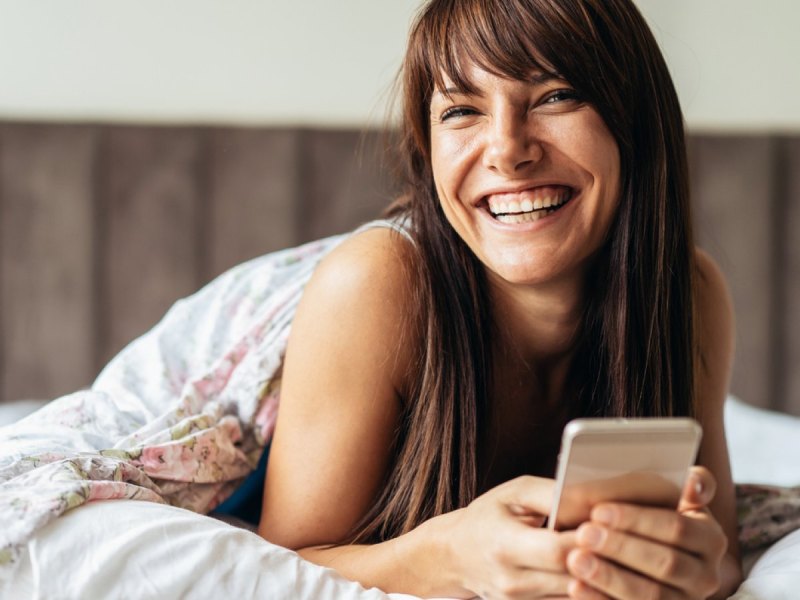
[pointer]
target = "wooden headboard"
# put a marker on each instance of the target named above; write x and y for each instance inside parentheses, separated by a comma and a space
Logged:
(103, 227)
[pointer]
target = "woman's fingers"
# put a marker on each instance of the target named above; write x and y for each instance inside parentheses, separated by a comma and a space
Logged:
(526, 583)
(526, 495)
(657, 561)
(506, 553)
(599, 578)
(634, 550)
(526, 548)
(693, 531)
(699, 491)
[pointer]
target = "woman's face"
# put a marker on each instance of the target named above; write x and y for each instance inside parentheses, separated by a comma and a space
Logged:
(526, 173)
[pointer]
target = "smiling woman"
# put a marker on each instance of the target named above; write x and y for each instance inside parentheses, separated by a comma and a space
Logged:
(527, 174)
(412, 379)
(544, 269)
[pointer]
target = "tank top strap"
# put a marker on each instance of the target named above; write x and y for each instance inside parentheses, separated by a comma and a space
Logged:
(401, 225)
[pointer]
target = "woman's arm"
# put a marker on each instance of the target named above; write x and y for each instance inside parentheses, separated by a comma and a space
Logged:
(340, 404)
(349, 354)
(716, 339)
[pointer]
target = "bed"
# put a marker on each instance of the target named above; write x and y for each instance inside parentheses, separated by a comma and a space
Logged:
(136, 549)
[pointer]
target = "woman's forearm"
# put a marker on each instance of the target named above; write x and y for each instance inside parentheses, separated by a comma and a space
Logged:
(417, 563)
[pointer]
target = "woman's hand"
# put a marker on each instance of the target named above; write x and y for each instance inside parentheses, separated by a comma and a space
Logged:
(632, 552)
(499, 547)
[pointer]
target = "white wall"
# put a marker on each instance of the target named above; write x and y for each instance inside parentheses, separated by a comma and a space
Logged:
(330, 62)
(219, 61)
(736, 63)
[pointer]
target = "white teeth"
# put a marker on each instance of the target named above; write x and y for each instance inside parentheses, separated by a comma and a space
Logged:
(526, 207)
(530, 217)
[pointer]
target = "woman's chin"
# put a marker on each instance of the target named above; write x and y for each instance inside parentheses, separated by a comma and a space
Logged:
(524, 275)
(532, 270)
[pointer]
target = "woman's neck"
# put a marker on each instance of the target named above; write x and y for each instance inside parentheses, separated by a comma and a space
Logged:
(540, 324)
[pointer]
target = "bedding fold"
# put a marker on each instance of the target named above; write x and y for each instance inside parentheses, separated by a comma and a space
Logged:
(179, 417)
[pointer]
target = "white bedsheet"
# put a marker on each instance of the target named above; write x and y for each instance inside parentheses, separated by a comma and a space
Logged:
(132, 549)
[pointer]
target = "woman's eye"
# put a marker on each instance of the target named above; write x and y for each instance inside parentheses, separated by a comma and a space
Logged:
(565, 95)
(456, 111)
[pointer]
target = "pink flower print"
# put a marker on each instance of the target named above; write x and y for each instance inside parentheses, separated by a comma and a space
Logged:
(173, 461)
(213, 383)
(267, 416)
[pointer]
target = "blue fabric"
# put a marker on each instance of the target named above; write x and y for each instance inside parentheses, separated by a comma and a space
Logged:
(245, 502)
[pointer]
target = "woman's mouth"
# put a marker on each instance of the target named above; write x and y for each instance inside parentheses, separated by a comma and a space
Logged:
(528, 206)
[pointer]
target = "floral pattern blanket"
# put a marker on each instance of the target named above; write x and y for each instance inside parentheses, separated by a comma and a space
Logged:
(180, 416)
(183, 414)
(766, 513)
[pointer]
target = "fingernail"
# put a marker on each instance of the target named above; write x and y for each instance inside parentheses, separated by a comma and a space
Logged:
(584, 564)
(699, 488)
(590, 536)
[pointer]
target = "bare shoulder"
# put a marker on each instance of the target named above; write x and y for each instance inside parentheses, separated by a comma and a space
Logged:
(713, 304)
(373, 261)
(363, 289)
(354, 320)
(710, 284)
(714, 327)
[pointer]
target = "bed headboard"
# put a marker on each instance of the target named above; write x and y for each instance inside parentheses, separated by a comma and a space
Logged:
(103, 227)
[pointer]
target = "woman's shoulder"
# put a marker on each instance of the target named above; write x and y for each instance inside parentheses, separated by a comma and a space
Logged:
(372, 264)
(360, 299)
(714, 328)
(711, 295)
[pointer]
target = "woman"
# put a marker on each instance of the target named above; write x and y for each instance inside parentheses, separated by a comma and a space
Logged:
(546, 272)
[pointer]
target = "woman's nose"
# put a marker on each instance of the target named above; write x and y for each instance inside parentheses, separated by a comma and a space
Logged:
(510, 146)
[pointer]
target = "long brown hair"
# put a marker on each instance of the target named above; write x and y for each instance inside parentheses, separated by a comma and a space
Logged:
(636, 351)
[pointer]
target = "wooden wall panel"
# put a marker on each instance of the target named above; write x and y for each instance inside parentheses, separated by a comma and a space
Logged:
(104, 227)
(349, 181)
(254, 182)
(46, 292)
(150, 202)
(733, 191)
(791, 277)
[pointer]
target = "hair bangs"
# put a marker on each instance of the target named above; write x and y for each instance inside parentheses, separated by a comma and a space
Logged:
(495, 37)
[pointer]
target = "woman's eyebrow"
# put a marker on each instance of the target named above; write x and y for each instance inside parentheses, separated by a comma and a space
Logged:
(546, 77)
(454, 90)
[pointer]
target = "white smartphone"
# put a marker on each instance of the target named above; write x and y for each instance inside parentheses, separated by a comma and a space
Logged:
(598, 449)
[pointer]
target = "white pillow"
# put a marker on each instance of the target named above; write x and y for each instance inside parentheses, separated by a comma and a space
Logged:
(763, 445)
(134, 549)
(776, 574)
